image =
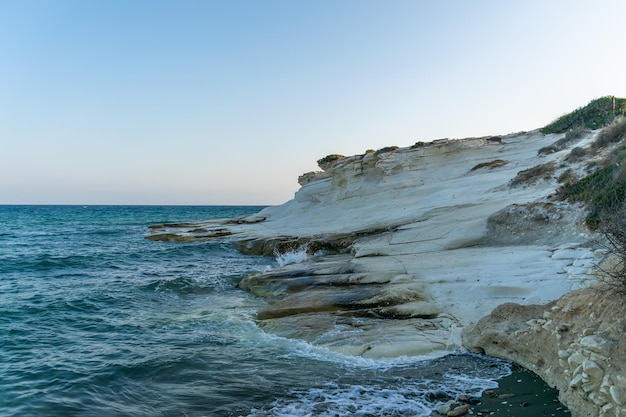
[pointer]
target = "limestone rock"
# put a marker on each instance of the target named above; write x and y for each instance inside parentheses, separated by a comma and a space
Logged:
(596, 344)
(593, 370)
(443, 407)
(581, 363)
(458, 411)
(400, 249)
(618, 394)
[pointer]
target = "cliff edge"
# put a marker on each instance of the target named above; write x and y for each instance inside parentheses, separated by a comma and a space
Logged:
(406, 246)
(399, 251)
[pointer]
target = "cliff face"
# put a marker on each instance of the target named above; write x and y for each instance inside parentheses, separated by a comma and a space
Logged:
(408, 246)
(576, 344)
(398, 252)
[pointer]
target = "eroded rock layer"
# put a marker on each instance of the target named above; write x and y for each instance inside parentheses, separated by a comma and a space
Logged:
(576, 344)
(409, 245)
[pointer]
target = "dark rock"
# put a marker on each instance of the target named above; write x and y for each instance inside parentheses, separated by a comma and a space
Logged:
(436, 396)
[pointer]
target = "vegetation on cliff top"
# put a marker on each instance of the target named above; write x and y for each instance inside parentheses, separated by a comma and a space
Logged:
(323, 163)
(604, 189)
(598, 113)
(534, 174)
(491, 164)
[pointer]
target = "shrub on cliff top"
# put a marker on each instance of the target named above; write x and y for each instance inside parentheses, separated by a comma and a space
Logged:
(576, 154)
(386, 149)
(548, 150)
(491, 164)
(328, 159)
(611, 134)
(598, 113)
(604, 190)
(534, 174)
(567, 177)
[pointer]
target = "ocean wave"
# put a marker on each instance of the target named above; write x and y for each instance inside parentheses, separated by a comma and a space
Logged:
(412, 388)
(292, 257)
(358, 400)
(43, 262)
(179, 285)
(101, 324)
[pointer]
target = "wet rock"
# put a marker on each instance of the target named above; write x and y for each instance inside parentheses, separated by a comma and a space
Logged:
(444, 407)
(459, 411)
(437, 396)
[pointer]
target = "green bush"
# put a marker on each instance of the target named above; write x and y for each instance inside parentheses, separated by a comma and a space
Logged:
(386, 149)
(598, 113)
(567, 177)
(329, 158)
(603, 189)
(571, 135)
(576, 154)
(559, 145)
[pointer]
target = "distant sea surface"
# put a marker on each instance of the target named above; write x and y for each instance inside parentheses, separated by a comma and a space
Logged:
(95, 320)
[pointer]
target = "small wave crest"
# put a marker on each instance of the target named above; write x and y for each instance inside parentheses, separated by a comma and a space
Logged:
(292, 257)
(362, 400)
(393, 387)
(295, 256)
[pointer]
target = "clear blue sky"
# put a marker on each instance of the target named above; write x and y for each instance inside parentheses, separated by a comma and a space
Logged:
(227, 102)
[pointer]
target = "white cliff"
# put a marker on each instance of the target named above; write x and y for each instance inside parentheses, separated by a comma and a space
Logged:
(411, 245)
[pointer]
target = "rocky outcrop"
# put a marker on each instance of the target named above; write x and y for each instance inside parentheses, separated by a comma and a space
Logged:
(395, 252)
(576, 344)
(401, 248)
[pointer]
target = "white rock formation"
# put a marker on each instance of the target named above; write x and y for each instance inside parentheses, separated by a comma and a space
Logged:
(436, 235)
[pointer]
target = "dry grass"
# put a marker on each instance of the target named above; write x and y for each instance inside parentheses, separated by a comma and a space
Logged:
(491, 164)
(611, 134)
(534, 174)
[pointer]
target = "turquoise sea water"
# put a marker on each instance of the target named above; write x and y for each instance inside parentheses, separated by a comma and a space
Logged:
(95, 320)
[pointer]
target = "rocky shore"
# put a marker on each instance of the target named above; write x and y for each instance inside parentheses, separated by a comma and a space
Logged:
(399, 251)
(576, 344)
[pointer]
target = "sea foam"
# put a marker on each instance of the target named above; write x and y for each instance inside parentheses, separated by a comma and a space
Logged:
(292, 257)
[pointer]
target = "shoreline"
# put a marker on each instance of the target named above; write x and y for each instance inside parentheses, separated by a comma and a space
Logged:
(521, 394)
(407, 248)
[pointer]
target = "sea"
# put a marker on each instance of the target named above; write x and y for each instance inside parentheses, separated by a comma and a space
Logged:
(97, 320)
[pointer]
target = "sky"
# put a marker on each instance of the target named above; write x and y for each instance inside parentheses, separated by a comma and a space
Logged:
(228, 102)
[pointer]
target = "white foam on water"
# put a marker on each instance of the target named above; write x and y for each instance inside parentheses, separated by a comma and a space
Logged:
(401, 398)
(297, 348)
(292, 257)
(400, 392)
(353, 400)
